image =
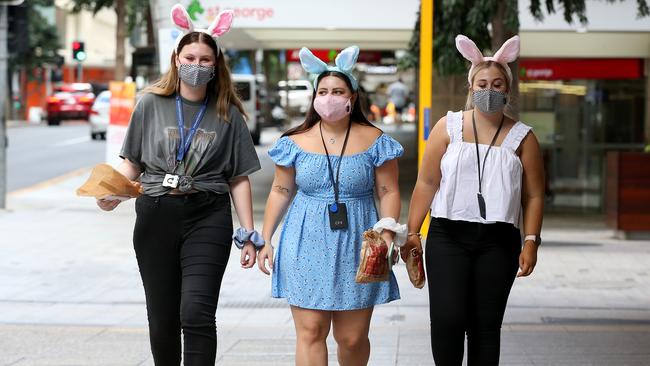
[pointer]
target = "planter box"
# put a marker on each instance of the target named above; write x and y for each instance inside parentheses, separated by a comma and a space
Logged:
(628, 193)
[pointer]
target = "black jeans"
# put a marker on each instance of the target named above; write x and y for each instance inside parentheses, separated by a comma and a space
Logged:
(182, 244)
(470, 271)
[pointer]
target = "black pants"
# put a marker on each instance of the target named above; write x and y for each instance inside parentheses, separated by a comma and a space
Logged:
(470, 270)
(182, 244)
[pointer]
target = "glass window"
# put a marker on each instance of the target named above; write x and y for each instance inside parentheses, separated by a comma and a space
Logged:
(577, 122)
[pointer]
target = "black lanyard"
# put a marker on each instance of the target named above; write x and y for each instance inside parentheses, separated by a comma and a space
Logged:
(185, 142)
(481, 201)
(335, 183)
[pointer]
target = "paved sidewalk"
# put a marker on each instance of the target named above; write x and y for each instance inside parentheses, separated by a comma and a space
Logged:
(70, 294)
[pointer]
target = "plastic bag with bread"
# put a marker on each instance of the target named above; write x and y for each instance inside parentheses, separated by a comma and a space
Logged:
(374, 265)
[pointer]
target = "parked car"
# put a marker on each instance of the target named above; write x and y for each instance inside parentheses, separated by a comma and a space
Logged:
(99, 115)
(69, 101)
(299, 95)
(246, 86)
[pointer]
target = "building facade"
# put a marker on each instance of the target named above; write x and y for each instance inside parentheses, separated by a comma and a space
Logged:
(584, 89)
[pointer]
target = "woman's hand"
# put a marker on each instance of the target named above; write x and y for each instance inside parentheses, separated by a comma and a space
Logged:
(388, 237)
(527, 259)
(248, 255)
(266, 254)
(412, 241)
(110, 204)
(107, 205)
(137, 185)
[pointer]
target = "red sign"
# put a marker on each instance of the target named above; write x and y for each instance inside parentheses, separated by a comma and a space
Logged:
(328, 56)
(567, 69)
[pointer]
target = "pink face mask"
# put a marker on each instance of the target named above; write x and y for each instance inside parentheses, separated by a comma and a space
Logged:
(331, 107)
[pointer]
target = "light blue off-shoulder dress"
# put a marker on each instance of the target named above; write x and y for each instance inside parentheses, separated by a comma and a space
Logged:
(315, 266)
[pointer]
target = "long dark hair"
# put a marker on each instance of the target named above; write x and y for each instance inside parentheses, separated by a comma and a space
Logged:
(220, 88)
(312, 116)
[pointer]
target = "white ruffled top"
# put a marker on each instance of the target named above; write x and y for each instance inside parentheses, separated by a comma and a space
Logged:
(456, 198)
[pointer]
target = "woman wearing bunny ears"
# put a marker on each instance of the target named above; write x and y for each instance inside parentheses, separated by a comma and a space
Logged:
(483, 180)
(188, 143)
(327, 170)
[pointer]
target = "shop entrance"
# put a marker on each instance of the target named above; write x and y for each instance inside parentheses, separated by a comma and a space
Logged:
(577, 122)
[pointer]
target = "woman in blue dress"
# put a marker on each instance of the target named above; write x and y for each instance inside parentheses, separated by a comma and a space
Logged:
(330, 164)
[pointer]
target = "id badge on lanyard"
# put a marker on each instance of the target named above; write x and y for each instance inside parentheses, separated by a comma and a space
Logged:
(172, 179)
(337, 211)
(338, 215)
(479, 195)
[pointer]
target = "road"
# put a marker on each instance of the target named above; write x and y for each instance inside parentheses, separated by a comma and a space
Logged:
(38, 153)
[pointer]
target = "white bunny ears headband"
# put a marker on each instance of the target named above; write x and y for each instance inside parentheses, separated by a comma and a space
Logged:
(506, 54)
(344, 63)
(219, 26)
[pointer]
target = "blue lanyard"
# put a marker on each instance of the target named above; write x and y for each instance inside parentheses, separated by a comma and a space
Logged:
(184, 144)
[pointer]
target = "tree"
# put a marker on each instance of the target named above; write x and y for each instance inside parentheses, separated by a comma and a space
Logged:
(501, 17)
(489, 23)
(33, 41)
(130, 13)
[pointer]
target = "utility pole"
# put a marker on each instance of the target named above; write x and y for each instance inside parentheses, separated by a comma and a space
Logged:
(3, 104)
(79, 72)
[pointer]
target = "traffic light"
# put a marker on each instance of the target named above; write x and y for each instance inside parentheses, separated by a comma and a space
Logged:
(78, 53)
(18, 36)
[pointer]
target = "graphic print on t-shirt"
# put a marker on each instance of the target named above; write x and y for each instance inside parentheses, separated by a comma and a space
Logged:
(200, 144)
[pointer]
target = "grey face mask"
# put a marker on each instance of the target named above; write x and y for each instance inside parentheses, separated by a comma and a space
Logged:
(195, 75)
(489, 101)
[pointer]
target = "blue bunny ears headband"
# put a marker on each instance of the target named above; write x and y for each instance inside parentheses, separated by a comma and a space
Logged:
(344, 63)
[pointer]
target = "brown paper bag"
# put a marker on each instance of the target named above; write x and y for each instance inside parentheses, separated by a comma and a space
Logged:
(415, 268)
(373, 266)
(106, 182)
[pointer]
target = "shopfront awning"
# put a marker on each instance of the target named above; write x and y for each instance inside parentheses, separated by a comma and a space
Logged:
(288, 24)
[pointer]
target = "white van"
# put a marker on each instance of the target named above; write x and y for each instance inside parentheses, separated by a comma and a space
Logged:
(299, 97)
(246, 88)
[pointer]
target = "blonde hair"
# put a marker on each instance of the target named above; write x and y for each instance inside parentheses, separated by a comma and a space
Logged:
(509, 110)
(220, 87)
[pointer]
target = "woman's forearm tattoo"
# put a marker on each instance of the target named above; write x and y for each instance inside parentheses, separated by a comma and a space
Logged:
(281, 189)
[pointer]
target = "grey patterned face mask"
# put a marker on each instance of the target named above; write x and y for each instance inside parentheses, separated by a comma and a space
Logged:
(489, 101)
(195, 75)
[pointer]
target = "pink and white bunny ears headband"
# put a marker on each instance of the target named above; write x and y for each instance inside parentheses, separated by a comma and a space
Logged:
(506, 54)
(181, 19)
(344, 64)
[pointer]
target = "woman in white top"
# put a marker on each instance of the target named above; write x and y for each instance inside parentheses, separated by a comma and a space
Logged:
(482, 176)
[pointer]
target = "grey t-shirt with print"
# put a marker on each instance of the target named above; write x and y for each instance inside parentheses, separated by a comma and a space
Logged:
(220, 150)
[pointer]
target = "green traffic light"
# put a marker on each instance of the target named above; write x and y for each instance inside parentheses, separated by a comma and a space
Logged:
(80, 56)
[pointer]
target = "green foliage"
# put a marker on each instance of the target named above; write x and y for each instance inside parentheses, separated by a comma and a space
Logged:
(135, 9)
(577, 8)
(136, 12)
(473, 18)
(92, 5)
(42, 39)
